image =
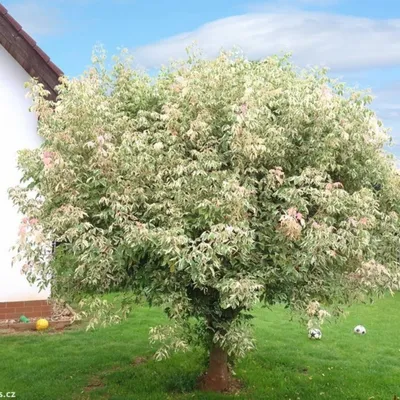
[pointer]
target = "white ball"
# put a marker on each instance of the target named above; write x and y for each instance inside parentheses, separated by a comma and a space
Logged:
(360, 330)
(314, 334)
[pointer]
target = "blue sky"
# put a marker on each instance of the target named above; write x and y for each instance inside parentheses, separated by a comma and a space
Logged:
(358, 39)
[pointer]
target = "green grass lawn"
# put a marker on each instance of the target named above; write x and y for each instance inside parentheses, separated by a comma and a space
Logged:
(82, 365)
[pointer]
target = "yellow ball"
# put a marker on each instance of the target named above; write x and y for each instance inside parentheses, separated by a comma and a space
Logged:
(42, 324)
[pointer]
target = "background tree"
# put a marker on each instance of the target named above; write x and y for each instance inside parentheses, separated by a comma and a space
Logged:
(214, 186)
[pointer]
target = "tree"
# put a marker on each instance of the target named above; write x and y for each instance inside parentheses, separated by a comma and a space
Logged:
(217, 185)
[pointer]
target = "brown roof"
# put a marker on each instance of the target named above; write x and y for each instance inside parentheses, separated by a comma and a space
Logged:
(27, 53)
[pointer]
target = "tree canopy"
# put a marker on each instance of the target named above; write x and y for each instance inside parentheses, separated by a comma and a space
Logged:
(212, 187)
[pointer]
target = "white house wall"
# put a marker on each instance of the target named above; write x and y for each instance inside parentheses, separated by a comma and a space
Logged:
(18, 131)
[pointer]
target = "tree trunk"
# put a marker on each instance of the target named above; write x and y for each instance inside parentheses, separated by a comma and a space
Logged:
(217, 377)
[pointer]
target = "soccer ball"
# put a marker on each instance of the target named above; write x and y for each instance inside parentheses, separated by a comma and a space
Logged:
(360, 330)
(314, 334)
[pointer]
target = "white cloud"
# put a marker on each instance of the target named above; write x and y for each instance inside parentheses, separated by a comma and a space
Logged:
(283, 5)
(387, 106)
(37, 18)
(317, 2)
(387, 103)
(337, 41)
(388, 111)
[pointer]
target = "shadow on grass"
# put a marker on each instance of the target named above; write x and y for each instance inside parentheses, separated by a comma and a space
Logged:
(175, 378)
